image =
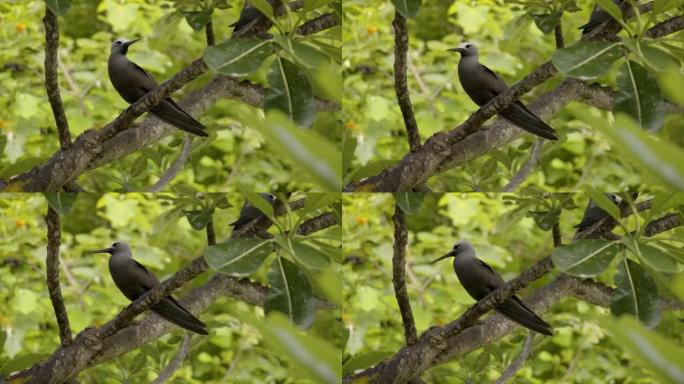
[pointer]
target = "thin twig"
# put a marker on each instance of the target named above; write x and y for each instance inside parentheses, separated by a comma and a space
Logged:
(557, 238)
(401, 43)
(526, 169)
(175, 167)
(209, 31)
(318, 24)
(51, 82)
(211, 235)
(558, 33)
(173, 366)
(518, 362)
(54, 235)
(399, 275)
(315, 224)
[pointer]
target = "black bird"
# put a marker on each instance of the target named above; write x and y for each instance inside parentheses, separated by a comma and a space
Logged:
(133, 82)
(482, 85)
(479, 280)
(133, 280)
(247, 15)
(598, 17)
(248, 212)
(593, 214)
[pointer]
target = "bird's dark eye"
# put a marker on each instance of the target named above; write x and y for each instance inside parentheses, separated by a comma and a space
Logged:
(116, 244)
(117, 42)
(468, 45)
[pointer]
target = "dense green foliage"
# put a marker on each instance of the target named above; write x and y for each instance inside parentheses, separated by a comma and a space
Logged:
(165, 234)
(260, 148)
(510, 233)
(606, 150)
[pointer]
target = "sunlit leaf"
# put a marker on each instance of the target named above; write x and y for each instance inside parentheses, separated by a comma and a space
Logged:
(584, 258)
(240, 256)
(636, 293)
(290, 293)
(587, 59)
(237, 57)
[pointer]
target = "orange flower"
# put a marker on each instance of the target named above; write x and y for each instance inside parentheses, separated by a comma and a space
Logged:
(21, 27)
(361, 220)
(371, 30)
(20, 223)
(351, 125)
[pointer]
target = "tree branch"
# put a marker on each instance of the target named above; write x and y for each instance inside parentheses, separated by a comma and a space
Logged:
(518, 362)
(401, 40)
(399, 275)
(175, 167)
(318, 24)
(558, 34)
(211, 235)
(666, 27)
(527, 168)
(54, 236)
(51, 82)
(316, 224)
(173, 366)
(209, 32)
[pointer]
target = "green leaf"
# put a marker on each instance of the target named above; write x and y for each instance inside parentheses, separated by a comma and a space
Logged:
(311, 153)
(310, 256)
(290, 92)
(59, 7)
(290, 293)
(409, 202)
(364, 360)
(310, 5)
(584, 258)
(22, 362)
(545, 219)
(661, 356)
(316, 201)
(661, 6)
(657, 259)
(372, 168)
(636, 293)
(672, 83)
(605, 203)
(258, 201)
(407, 8)
(546, 22)
(660, 161)
(639, 96)
(198, 19)
(349, 143)
(198, 219)
(612, 9)
(61, 202)
(237, 57)
(587, 59)
(240, 256)
(312, 357)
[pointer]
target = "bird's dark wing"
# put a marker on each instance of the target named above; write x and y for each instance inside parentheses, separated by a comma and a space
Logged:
(144, 277)
(146, 81)
(495, 84)
(494, 280)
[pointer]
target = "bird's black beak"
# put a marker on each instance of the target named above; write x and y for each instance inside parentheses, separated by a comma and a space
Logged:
(129, 43)
(105, 250)
(450, 254)
(459, 50)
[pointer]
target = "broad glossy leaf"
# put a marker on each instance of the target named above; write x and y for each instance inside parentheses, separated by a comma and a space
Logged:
(636, 293)
(407, 8)
(546, 22)
(660, 161)
(290, 293)
(584, 258)
(311, 357)
(240, 256)
(372, 168)
(290, 92)
(316, 201)
(409, 202)
(237, 57)
(61, 202)
(21, 362)
(654, 351)
(59, 7)
(586, 59)
(310, 256)
(198, 219)
(639, 96)
(672, 83)
(545, 219)
(198, 19)
(657, 259)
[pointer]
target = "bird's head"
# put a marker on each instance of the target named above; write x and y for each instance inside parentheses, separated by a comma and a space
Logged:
(268, 197)
(459, 248)
(465, 49)
(121, 45)
(117, 247)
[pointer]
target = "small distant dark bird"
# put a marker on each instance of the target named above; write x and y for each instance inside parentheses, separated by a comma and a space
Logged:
(479, 280)
(133, 280)
(133, 82)
(482, 85)
(248, 212)
(593, 214)
(598, 17)
(247, 15)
